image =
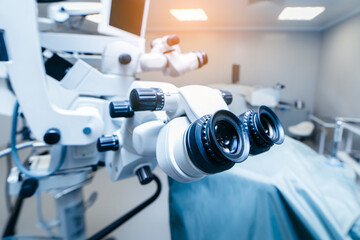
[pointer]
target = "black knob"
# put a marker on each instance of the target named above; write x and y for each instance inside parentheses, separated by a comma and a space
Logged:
(52, 136)
(145, 175)
(227, 96)
(28, 187)
(120, 109)
(173, 40)
(124, 58)
(107, 143)
(147, 99)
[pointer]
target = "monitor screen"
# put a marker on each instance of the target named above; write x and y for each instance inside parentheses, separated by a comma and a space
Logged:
(127, 15)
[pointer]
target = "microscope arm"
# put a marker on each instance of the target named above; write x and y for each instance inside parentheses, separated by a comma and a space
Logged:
(87, 80)
(153, 62)
(28, 79)
(173, 63)
(61, 12)
(177, 63)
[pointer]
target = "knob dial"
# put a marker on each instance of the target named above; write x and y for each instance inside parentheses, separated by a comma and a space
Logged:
(108, 143)
(227, 96)
(125, 59)
(147, 99)
(52, 136)
(120, 109)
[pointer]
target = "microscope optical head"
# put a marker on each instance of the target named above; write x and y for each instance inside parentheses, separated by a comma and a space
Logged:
(264, 129)
(215, 143)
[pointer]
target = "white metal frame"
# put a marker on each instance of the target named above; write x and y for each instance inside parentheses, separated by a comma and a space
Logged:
(352, 128)
(323, 126)
(342, 124)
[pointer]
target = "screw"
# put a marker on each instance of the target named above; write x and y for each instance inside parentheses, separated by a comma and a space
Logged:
(87, 130)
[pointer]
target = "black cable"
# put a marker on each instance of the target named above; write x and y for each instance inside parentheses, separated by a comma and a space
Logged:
(28, 188)
(14, 216)
(111, 227)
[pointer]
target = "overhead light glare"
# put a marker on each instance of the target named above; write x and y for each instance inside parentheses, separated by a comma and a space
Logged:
(300, 13)
(96, 18)
(189, 14)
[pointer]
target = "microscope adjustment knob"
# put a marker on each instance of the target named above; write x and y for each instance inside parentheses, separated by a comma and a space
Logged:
(227, 96)
(108, 143)
(147, 99)
(124, 59)
(145, 175)
(28, 187)
(52, 136)
(173, 40)
(120, 109)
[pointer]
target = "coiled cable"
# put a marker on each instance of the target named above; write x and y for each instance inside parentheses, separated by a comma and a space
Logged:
(15, 155)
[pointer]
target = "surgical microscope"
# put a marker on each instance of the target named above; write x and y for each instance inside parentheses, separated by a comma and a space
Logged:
(89, 118)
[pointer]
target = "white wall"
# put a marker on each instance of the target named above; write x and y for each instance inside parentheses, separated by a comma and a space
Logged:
(338, 87)
(266, 58)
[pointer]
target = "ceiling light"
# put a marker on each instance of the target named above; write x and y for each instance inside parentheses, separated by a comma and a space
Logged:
(300, 13)
(189, 14)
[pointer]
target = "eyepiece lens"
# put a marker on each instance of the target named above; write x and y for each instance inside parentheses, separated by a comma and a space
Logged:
(216, 142)
(268, 126)
(226, 136)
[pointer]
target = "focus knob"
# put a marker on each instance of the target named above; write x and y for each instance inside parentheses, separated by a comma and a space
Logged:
(52, 136)
(124, 59)
(227, 96)
(120, 109)
(144, 174)
(147, 99)
(108, 143)
(173, 40)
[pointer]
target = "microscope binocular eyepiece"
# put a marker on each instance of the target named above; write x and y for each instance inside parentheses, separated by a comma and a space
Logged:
(189, 148)
(214, 143)
(264, 129)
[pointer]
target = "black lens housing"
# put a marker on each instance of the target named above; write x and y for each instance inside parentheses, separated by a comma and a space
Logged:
(216, 142)
(147, 99)
(264, 129)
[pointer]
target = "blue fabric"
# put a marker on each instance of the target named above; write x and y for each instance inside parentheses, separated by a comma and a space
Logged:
(287, 193)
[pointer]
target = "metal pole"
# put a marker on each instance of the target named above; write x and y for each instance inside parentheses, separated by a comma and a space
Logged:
(332, 159)
(349, 141)
(71, 214)
(322, 140)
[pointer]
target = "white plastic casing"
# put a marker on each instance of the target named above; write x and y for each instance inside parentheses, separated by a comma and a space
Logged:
(200, 100)
(171, 152)
(61, 12)
(145, 136)
(152, 62)
(110, 61)
(180, 63)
